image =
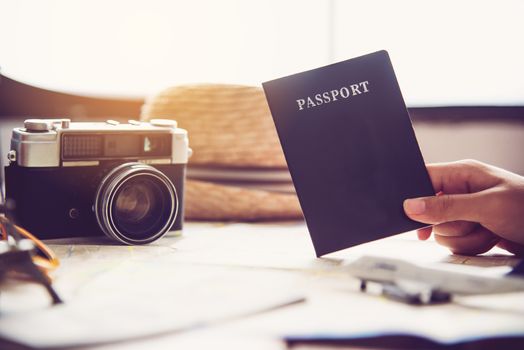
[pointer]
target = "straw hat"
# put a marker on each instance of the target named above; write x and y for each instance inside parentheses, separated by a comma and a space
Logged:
(230, 127)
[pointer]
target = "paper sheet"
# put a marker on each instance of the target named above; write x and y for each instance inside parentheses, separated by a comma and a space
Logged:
(139, 298)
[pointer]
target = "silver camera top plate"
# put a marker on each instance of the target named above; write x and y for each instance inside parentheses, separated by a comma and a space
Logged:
(39, 142)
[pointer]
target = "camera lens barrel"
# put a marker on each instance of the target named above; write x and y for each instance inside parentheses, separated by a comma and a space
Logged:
(136, 204)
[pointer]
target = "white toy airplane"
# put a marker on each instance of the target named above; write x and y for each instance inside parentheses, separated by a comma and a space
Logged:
(416, 284)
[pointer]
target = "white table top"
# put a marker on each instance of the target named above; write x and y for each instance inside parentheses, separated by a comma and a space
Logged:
(220, 276)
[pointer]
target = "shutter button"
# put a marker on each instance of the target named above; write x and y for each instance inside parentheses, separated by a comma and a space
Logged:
(166, 123)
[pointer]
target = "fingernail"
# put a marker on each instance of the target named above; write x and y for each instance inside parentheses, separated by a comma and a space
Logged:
(414, 206)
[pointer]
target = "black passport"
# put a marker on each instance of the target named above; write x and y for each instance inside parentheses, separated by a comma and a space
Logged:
(351, 150)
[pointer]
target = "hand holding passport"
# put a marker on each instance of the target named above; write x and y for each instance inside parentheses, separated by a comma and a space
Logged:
(351, 150)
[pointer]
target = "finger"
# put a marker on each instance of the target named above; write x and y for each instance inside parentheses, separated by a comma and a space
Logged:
(445, 208)
(476, 242)
(454, 228)
(424, 233)
(463, 176)
(512, 247)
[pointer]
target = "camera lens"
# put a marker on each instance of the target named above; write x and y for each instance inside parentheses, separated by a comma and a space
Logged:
(136, 204)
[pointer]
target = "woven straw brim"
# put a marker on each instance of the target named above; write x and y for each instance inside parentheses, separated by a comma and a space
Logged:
(208, 201)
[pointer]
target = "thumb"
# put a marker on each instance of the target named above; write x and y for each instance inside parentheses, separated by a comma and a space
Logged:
(444, 208)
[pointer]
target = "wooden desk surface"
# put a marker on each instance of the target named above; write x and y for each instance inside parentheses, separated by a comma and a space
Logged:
(217, 268)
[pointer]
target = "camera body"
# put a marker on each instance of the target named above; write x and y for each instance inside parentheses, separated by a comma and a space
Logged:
(88, 179)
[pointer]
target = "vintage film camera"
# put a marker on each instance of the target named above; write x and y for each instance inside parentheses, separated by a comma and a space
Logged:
(85, 179)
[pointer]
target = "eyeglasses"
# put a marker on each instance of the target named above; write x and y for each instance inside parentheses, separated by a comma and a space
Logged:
(25, 257)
